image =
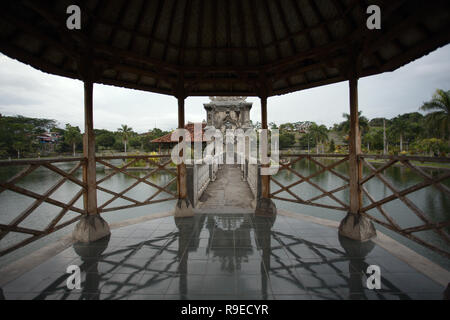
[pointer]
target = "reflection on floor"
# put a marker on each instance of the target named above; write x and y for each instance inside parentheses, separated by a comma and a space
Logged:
(224, 256)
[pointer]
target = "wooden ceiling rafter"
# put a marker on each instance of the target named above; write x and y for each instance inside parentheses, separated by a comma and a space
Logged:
(228, 32)
(184, 30)
(291, 56)
(257, 33)
(199, 32)
(240, 7)
(272, 29)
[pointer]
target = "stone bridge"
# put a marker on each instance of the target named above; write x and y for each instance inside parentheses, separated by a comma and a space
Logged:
(223, 188)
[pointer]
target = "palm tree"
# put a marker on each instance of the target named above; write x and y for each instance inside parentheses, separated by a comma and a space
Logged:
(363, 123)
(319, 133)
(398, 127)
(125, 132)
(439, 108)
(72, 136)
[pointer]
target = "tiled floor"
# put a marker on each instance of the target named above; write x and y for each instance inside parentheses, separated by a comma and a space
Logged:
(233, 256)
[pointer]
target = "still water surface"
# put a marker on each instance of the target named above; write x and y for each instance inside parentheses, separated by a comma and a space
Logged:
(432, 201)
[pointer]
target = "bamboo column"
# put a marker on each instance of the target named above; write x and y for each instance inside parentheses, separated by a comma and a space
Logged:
(354, 225)
(265, 179)
(181, 168)
(183, 208)
(89, 169)
(91, 226)
(355, 170)
(264, 205)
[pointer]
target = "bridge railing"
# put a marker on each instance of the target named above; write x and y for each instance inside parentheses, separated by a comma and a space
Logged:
(47, 195)
(199, 175)
(155, 172)
(428, 172)
(50, 194)
(327, 181)
(312, 177)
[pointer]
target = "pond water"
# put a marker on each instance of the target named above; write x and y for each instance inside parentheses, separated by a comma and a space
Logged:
(11, 203)
(432, 201)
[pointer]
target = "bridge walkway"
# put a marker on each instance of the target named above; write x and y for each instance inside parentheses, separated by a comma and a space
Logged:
(228, 193)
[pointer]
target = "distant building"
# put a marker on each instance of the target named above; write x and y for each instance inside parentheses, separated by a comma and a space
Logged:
(221, 113)
(228, 113)
(49, 137)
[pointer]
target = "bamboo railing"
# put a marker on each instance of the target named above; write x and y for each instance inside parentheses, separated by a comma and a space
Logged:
(12, 184)
(428, 180)
(156, 164)
(159, 164)
(287, 163)
(374, 171)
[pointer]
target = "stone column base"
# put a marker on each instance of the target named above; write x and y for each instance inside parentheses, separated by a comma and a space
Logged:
(90, 228)
(356, 227)
(265, 208)
(184, 208)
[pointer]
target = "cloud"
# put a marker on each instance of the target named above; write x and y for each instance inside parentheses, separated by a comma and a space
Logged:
(29, 92)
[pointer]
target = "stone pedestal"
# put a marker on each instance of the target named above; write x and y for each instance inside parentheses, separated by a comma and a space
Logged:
(184, 208)
(265, 207)
(91, 228)
(356, 227)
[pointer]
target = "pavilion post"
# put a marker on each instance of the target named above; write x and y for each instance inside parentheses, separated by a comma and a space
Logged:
(355, 168)
(91, 226)
(183, 207)
(264, 205)
(265, 181)
(89, 170)
(354, 225)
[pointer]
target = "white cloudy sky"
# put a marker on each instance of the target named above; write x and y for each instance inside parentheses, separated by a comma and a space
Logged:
(29, 92)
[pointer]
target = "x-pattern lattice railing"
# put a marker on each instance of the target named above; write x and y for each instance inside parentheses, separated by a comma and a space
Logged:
(40, 198)
(428, 180)
(154, 161)
(288, 162)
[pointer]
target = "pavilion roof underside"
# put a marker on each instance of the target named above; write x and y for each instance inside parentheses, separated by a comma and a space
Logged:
(225, 47)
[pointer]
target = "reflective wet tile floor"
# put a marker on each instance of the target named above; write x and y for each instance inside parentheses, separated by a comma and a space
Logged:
(224, 257)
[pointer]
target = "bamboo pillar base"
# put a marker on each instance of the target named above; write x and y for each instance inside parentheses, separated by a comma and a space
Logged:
(357, 227)
(184, 208)
(265, 208)
(91, 228)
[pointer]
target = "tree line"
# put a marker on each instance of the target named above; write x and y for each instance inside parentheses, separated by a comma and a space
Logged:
(409, 133)
(19, 136)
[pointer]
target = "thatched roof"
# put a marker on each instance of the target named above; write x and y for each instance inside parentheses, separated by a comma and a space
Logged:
(223, 47)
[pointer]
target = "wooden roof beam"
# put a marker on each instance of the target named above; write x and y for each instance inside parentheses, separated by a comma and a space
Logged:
(240, 8)
(184, 32)
(154, 26)
(272, 29)
(123, 10)
(59, 24)
(418, 50)
(228, 27)
(137, 23)
(257, 31)
(38, 34)
(286, 27)
(214, 45)
(199, 33)
(169, 32)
